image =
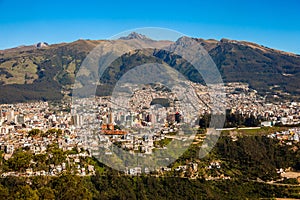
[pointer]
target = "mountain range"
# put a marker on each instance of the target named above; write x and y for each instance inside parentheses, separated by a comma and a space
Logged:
(47, 72)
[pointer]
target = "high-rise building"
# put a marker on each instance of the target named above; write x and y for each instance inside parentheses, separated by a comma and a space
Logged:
(10, 116)
(78, 120)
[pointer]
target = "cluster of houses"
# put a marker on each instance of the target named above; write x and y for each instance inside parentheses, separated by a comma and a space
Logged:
(287, 137)
(55, 170)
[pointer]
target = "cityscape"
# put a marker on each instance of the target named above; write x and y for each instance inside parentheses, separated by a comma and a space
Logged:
(136, 100)
(39, 126)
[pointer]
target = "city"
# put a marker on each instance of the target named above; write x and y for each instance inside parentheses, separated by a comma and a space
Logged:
(136, 100)
(35, 127)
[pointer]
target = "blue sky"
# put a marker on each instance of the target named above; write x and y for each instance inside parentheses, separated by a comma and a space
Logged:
(274, 23)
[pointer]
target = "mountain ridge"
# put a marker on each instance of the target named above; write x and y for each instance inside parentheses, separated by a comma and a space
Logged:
(132, 36)
(24, 71)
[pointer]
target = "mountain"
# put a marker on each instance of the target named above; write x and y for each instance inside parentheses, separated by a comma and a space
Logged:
(47, 72)
(266, 70)
(135, 35)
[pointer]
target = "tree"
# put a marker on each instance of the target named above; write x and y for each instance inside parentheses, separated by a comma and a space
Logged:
(26, 193)
(46, 193)
(20, 161)
(4, 194)
(71, 187)
(41, 161)
(58, 155)
(34, 132)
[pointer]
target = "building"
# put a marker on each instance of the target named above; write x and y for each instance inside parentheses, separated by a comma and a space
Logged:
(10, 115)
(78, 120)
(108, 127)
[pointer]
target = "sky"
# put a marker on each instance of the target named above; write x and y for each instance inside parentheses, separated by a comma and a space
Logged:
(275, 24)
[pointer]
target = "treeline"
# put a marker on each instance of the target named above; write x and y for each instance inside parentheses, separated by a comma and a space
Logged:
(113, 186)
(235, 119)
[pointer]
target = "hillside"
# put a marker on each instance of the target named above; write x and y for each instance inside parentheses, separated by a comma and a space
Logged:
(251, 162)
(265, 69)
(47, 72)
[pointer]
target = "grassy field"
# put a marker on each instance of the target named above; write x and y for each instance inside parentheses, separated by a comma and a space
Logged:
(261, 131)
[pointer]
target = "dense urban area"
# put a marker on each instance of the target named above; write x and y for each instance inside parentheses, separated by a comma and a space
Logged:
(46, 139)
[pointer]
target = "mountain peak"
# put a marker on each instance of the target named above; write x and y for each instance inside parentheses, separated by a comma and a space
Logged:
(184, 41)
(135, 35)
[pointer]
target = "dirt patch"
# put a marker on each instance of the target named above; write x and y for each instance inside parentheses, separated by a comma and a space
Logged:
(291, 174)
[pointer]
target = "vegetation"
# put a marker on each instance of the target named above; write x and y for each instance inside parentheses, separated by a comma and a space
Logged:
(232, 120)
(255, 157)
(250, 161)
(20, 161)
(69, 187)
(34, 132)
(56, 132)
(162, 143)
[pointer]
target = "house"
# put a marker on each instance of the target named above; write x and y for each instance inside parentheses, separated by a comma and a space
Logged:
(267, 124)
